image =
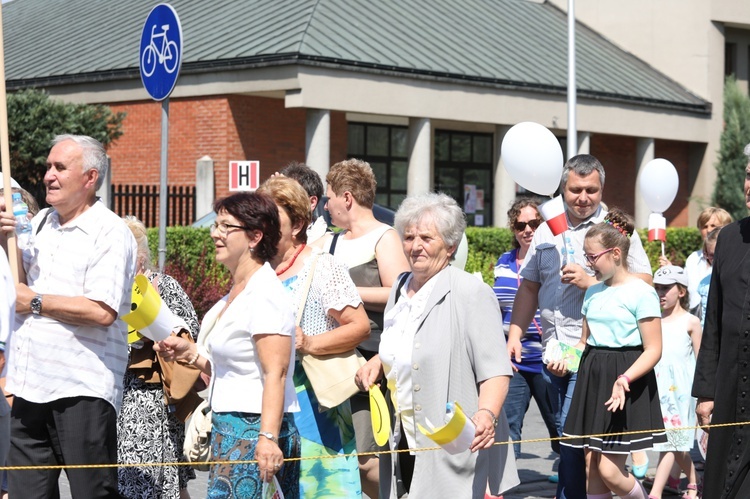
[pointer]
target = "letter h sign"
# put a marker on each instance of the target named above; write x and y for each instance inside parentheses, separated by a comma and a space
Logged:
(244, 175)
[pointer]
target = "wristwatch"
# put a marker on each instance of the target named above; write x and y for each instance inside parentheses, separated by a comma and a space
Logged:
(494, 418)
(269, 436)
(36, 305)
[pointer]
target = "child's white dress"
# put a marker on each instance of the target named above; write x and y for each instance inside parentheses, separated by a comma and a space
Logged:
(674, 376)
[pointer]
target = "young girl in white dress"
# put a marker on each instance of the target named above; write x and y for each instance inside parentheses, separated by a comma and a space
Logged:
(681, 337)
(616, 392)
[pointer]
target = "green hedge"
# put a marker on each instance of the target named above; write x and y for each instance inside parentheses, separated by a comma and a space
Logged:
(190, 257)
(486, 244)
(190, 260)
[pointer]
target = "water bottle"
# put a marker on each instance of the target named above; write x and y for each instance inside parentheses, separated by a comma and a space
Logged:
(23, 224)
(568, 252)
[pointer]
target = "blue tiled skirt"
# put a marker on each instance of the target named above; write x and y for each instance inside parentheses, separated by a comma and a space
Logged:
(234, 437)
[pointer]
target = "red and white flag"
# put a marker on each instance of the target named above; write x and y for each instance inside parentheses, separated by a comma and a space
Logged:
(657, 227)
(553, 212)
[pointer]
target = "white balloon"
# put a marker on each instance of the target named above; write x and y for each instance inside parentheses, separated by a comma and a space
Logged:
(658, 182)
(532, 157)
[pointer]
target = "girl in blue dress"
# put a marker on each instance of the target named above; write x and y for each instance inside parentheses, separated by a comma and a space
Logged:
(616, 391)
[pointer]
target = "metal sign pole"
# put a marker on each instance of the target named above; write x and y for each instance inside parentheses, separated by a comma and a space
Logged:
(572, 127)
(160, 60)
(163, 185)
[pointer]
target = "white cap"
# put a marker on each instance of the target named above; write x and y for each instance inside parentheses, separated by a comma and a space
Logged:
(13, 183)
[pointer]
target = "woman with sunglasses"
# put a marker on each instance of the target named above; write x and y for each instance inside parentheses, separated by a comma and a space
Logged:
(527, 380)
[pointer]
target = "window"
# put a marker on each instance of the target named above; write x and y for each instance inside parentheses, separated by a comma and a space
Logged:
(730, 59)
(464, 171)
(385, 147)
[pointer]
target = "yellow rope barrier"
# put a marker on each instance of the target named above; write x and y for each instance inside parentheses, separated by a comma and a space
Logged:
(357, 454)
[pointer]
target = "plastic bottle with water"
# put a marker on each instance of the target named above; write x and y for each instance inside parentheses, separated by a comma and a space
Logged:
(23, 224)
(568, 252)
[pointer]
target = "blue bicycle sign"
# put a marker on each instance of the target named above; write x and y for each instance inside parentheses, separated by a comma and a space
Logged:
(160, 51)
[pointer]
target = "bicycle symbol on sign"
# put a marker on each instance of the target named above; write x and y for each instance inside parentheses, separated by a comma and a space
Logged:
(167, 53)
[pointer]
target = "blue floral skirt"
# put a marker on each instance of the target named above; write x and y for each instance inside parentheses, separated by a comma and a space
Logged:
(234, 437)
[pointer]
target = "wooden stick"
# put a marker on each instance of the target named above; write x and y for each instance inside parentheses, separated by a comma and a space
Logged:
(5, 156)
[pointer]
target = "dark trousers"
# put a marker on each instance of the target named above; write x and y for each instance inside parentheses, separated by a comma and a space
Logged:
(76, 430)
(523, 386)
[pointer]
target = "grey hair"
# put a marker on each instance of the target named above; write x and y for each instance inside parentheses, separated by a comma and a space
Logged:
(582, 165)
(94, 155)
(747, 151)
(140, 233)
(445, 213)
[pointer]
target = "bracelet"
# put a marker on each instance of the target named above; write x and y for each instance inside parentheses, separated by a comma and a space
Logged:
(192, 361)
(494, 419)
(270, 436)
(624, 376)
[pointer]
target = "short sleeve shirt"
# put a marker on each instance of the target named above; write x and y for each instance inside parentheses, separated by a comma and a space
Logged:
(263, 307)
(93, 256)
(560, 304)
(613, 312)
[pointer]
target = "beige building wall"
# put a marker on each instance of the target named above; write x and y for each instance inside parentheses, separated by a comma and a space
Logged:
(685, 40)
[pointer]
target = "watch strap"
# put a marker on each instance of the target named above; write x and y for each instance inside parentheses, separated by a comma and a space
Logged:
(270, 436)
(36, 305)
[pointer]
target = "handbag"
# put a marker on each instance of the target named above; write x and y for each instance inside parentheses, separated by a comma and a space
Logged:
(331, 376)
(197, 446)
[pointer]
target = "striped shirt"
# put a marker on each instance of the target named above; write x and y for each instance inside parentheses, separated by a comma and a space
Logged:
(507, 280)
(560, 304)
(93, 256)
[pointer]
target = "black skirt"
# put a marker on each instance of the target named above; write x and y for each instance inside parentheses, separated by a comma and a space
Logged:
(590, 423)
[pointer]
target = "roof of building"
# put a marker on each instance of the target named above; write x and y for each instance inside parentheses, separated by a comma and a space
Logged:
(514, 44)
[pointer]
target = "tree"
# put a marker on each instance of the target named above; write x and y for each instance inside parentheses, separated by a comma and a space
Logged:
(33, 121)
(730, 169)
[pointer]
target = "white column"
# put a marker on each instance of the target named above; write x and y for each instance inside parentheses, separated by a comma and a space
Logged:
(105, 191)
(644, 154)
(584, 143)
(419, 177)
(204, 186)
(318, 140)
(504, 192)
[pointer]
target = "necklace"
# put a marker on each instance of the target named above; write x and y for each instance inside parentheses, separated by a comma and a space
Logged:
(281, 270)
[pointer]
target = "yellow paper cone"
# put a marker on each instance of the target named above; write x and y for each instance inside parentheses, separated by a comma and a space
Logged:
(456, 435)
(379, 414)
(133, 335)
(148, 315)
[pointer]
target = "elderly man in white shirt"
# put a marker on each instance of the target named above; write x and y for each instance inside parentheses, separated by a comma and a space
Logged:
(557, 289)
(68, 352)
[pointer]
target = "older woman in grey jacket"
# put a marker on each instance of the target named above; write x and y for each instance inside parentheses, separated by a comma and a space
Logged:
(442, 342)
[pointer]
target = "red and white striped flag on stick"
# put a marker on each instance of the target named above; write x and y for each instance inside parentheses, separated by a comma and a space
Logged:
(657, 227)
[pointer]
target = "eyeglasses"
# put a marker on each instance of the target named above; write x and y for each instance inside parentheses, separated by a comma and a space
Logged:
(591, 259)
(223, 228)
(534, 224)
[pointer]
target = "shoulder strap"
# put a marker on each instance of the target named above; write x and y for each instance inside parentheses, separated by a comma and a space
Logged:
(335, 239)
(401, 281)
(44, 220)
(306, 288)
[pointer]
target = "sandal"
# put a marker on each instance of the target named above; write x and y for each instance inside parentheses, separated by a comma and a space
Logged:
(689, 487)
(673, 485)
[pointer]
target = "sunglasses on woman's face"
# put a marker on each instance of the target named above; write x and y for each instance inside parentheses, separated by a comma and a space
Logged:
(534, 224)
